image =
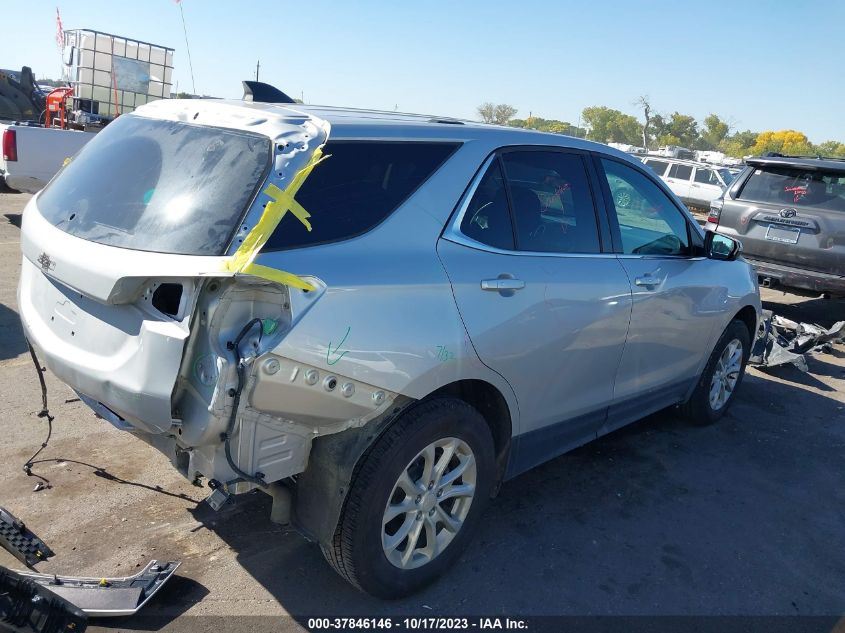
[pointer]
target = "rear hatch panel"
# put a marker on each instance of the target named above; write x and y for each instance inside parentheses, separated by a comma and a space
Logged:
(112, 320)
(788, 216)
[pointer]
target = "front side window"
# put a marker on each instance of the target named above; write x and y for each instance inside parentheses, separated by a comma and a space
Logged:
(154, 185)
(791, 186)
(681, 172)
(551, 201)
(649, 223)
(356, 187)
(487, 218)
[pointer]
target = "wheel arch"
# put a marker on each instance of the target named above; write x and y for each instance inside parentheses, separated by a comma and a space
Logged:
(493, 407)
(748, 315)
(320, 491)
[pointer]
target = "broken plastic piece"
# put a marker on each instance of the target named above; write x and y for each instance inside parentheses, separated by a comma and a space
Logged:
(109, 597)
(217, 499)
(21, 542)
(27, 605)
(781, 341)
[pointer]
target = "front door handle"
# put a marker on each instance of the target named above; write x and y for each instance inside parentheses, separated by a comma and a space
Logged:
(502, 284)
(647, 281)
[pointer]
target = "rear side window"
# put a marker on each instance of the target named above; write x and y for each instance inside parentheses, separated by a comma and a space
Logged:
(161, 186)
(681, 172)
(552, 202)
(789, 186)
(487, 218)
(706, 177)
(361, 184)
(659, 166)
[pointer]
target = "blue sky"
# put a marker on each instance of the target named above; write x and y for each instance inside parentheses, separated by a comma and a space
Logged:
(758, 64)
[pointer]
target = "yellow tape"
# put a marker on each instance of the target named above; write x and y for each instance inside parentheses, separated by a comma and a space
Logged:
(242, 259)
(279, 276)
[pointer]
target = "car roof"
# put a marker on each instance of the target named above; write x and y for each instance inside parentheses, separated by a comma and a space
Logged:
(368, 122)
(809, 163)
(358, 123)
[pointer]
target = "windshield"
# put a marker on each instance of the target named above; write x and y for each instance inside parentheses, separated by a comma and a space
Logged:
(727, 176)
(161, 186)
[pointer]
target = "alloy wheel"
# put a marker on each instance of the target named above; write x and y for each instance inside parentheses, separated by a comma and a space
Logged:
(726, 374)
(429, 503)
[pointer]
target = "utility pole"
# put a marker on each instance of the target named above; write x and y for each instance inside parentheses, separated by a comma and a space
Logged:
(257, 66)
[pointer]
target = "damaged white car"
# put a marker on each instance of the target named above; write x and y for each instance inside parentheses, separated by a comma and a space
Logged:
(376, 318)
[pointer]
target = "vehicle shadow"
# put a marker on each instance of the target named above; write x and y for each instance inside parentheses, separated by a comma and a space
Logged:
(14, 219)
(660, 517)
(12, 340)
(792, 374)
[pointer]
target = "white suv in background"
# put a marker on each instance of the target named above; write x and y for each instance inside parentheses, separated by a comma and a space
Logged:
(694, 183)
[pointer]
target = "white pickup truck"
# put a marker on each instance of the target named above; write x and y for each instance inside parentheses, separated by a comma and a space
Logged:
(32, 155)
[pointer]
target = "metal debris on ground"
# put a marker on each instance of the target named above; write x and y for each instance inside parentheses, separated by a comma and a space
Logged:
(781, 341)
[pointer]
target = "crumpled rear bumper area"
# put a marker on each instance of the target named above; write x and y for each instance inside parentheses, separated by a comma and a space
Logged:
(118, 355)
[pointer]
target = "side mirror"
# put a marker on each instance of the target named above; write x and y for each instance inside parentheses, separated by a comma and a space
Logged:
(718, 246)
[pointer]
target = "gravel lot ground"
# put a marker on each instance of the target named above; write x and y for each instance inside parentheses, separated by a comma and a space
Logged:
(746, 517)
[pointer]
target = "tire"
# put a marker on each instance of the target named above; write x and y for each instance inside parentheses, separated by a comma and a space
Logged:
(701, 408)
(361, 549)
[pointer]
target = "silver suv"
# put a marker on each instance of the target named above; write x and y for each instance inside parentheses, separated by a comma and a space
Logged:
(374, 317)
(789, 213)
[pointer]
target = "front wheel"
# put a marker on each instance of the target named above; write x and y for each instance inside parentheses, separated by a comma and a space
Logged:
(721, 377)
(415, 499)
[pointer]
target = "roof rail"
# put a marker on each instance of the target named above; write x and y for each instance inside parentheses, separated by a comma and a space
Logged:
(813, 156)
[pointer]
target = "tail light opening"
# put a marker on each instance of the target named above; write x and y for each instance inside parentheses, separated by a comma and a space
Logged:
(715, 210)
(10, 145)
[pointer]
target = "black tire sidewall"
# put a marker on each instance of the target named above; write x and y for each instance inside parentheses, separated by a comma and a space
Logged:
(735, 330)
(374, 572)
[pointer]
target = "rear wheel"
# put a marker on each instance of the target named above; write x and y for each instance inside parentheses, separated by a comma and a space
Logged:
(721, 377)
(415, 499)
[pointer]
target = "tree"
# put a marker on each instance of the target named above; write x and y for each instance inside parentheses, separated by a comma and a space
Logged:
(739, 144)
(487, 112)
(715, 131)
(645, 103)
(782, 142)
(611, 126)
(682, 128)
(547, 125)
(499, 113)
(833, 149)
(504, 113)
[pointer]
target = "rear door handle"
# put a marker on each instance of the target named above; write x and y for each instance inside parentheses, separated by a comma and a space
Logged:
(502, 284)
